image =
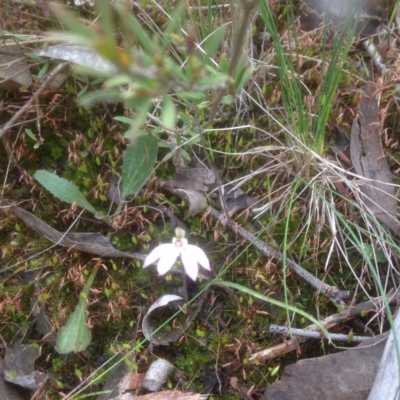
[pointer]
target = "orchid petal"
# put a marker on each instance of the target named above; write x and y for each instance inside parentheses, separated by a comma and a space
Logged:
(169, 256)
(190, 264)
(191, 257)
(198, 254)
(157, 253)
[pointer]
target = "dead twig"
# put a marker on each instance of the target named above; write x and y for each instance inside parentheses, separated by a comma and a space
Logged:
(283, 330)
(293, 344)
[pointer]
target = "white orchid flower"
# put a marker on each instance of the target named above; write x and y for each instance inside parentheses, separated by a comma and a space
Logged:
(166, 254)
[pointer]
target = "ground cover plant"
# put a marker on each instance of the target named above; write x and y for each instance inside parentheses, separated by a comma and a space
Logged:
(245, 155)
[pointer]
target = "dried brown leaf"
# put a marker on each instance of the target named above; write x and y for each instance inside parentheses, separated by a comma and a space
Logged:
(347, 376)
(190, 184)
(236, 200)
(86, 242)
(369, 161)
(14, 70)
(200, 179)
(19, 366)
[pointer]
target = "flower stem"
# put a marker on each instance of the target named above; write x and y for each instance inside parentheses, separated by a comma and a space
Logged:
(184, 283)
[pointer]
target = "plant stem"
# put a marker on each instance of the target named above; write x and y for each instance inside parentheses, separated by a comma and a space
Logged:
(184, 283)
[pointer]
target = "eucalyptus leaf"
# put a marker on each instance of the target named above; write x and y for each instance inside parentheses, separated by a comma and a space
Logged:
(63, 189)
(75, 336)
(138, 162)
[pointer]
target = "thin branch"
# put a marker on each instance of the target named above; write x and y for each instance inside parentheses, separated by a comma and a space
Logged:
(283, 330)
(335, 295)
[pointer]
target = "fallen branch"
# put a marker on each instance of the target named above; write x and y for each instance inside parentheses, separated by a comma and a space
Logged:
(283, 330)
(334, 294)
(293, 344)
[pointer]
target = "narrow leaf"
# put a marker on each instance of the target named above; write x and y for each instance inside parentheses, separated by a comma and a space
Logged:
(63, 189)
(139, 160)
(123, 119)
(168, 112)
(213, 43)
(132, 25)
(73, 24)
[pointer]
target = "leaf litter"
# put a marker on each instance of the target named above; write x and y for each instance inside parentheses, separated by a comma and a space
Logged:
(87, 242)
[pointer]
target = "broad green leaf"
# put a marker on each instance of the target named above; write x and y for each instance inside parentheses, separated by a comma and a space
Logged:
(75, 336)
(138, 162)
(63, 189)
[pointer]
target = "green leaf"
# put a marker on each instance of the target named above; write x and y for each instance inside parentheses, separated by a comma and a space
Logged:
(107, 25)
(30, 134)
(140, 119)
(275, 370)
(175, 25)
(43, 70)
(242, 78)
(75, 336)
(99, 95)
(138, 162)
(63, 189)
(369, 254)
(123, 119)
(224, 64)
(216, 79)
(71, 21)
(213, 42)
(168, 112)
(117, 81)
(132, 25)
(182, 116)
